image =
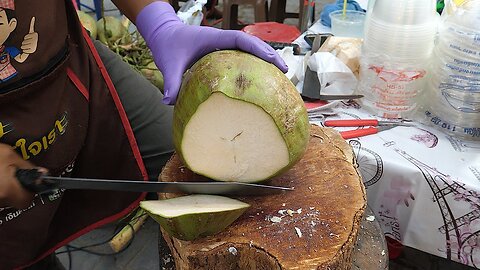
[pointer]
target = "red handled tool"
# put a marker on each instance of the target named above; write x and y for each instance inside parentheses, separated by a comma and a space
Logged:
(374, 126)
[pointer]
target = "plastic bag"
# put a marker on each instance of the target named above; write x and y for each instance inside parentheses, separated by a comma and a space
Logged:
(191, 12)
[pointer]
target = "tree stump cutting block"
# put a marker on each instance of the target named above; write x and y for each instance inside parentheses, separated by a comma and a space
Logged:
(313, 227)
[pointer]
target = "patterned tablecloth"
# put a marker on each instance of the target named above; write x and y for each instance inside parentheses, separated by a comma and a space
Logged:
(423, 185)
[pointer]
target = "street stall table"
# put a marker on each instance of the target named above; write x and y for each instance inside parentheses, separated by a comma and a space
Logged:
(328, 227)
(422, 184)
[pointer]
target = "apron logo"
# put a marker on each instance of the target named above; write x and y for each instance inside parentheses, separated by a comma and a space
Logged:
(5, 128)
(27, 149)
(8, 24)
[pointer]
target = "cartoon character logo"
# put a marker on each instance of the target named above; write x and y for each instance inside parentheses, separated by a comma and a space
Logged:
(8, 23)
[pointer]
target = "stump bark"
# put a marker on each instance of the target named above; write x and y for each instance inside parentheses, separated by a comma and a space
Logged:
(313, 227)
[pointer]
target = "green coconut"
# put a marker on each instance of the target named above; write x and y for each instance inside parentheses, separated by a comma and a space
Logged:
(239, 118)
(88, 23)
(194, 216)
(111, 29)
(154, 75)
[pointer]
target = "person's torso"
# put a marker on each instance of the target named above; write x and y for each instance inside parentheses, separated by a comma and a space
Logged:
(57, 111)
(39, 112)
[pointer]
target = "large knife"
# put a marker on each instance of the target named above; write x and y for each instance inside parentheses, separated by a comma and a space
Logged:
(38, 183)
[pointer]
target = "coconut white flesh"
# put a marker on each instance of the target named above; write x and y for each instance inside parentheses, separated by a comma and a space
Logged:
(233, 140)
(192, 204)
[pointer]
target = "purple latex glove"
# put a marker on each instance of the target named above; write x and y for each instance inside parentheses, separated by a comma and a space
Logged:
(176, 46)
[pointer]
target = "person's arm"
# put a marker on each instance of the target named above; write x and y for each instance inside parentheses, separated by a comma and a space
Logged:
(176, 46)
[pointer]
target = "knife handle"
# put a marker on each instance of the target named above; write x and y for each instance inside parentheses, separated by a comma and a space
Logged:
(350, 134)
(31, 180)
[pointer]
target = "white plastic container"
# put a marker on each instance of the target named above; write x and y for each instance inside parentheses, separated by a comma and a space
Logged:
(398, 41)
(404, 12)
(452, 98)
(391, 86)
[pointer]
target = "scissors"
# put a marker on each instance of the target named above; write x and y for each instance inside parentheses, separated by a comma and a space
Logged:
(374, 126)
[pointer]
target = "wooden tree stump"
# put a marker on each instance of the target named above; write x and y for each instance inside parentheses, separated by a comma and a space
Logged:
(313, 227)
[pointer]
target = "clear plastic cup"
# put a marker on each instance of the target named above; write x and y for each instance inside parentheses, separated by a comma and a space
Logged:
(433, 111)
(390, 86)
(452, 95)
(374, 26)
(448, 121)
(404, 12)
(462, 107)
(380, 25)
(401, 49)
(444, 56)
(403, 41)
(350, 24)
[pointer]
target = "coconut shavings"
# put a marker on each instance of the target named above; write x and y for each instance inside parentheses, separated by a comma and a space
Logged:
(370, 218)
(299, 233)
(233, 251)
(275, 219)
(334, 235)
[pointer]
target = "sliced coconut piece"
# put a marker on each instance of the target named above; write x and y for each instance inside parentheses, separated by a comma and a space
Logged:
(239, 118)
(195, 216)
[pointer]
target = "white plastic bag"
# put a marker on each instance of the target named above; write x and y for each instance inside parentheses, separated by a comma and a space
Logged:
(191, 12)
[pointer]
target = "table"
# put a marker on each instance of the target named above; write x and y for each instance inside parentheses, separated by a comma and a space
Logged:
(422, 184)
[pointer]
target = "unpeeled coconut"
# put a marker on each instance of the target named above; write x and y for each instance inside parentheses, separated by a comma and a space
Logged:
(110, 29)
(239, 118)
(154, 75)
(88, 23)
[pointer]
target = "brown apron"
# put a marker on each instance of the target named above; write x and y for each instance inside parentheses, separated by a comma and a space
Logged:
(68, 118)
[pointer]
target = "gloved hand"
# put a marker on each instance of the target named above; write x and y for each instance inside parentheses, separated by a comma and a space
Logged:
(11, 191)
(338, 5)
(176, 46)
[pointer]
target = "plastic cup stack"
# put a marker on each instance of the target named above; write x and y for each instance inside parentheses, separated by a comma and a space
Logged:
(452, 98)
(398, 41)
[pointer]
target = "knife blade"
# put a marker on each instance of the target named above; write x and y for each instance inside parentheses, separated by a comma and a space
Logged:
(49, 183)
(311, 84)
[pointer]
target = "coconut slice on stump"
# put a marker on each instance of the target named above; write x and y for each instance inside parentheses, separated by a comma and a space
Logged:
(194, 216)
(239, 118)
